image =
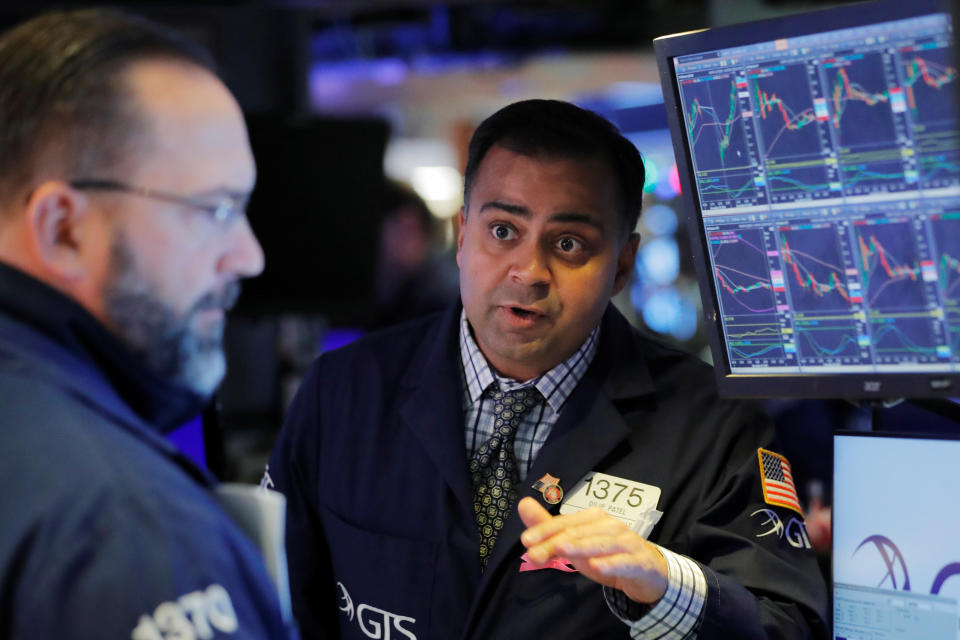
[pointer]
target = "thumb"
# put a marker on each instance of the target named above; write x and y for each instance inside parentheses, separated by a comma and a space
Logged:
(532, 513)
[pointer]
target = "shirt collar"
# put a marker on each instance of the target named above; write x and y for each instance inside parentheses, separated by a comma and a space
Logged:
(555, 385)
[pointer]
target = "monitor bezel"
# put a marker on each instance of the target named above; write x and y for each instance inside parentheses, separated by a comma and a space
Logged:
(899, 435)
(858, 385)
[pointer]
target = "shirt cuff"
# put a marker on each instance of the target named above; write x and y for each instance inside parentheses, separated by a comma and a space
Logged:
(677, 615)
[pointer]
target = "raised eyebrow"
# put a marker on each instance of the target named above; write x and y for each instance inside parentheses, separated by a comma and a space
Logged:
(524, 212)
(581, 218)
(513, 209)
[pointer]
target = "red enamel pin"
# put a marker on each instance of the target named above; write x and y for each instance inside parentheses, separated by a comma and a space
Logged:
(550, 488)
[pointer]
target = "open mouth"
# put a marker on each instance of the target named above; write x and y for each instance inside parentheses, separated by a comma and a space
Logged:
(523, 313)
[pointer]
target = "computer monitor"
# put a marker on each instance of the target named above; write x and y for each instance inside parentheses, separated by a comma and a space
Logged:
(896, 548)
(819, 156)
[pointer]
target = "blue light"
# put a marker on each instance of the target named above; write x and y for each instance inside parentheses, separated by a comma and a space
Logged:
(658, 262)
(660, 220)
(666, 311)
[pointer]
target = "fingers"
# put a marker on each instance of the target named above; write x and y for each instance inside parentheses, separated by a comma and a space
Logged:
(550, 526)
(581, 535)
(532, 512)
(601, 547)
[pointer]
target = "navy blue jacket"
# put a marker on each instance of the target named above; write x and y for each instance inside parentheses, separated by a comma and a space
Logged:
(380, 529)
(108, 531)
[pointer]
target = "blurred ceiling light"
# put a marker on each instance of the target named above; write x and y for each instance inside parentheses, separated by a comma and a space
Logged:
(660, 220)
(441, 187)
(659, 261)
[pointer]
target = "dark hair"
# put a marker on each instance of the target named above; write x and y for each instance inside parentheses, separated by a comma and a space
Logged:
(61, 91)
(559, 129)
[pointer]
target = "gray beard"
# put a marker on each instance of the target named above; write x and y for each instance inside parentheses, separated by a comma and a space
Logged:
(162, 340)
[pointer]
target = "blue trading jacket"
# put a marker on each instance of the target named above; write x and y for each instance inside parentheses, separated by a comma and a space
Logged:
(107, 530)
(381, 535)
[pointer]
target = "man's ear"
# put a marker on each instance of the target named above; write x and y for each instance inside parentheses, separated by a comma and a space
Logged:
(57, 217)
(463, 226)
(625, 262)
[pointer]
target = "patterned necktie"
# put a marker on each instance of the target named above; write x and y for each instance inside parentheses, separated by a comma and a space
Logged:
(494, 467)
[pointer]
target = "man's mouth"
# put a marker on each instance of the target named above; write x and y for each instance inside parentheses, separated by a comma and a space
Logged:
(522, 317)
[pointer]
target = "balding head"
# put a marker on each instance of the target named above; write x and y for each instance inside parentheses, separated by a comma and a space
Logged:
(65, 108)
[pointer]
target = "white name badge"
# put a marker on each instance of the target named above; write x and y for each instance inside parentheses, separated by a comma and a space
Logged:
(632, 502)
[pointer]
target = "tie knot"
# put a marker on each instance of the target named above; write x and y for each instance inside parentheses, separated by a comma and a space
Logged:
(514, 404)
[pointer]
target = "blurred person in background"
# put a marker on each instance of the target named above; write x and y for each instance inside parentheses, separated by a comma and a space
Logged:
(124, 173)
(414, 277)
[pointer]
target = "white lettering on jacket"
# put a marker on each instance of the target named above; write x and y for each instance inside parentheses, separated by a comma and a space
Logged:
(374, 623)
(197, 615)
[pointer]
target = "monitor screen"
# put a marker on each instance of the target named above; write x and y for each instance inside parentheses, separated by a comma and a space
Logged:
(820, 161)
(896, 552)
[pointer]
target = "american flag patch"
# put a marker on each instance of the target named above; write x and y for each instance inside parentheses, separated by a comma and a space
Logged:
(778, 487)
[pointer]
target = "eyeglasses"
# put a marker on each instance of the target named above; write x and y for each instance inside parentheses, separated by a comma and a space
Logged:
(225, 209)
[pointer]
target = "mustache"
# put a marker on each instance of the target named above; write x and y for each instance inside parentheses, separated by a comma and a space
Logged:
(224, 299)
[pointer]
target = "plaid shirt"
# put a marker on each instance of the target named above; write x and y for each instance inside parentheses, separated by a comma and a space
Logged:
(676, 616)
(555, 386)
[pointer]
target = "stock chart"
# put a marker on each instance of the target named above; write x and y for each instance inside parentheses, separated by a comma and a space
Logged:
(820, 295)
(946, 234)
(722, 149)
(862, 106)
(748, 296)
(895, 289)
(827, 169)
(930, 96)
(791, 140)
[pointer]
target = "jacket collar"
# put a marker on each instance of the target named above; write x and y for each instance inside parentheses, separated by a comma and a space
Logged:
(52, 336)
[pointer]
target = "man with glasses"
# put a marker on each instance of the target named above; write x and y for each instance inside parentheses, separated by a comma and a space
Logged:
(124, 171)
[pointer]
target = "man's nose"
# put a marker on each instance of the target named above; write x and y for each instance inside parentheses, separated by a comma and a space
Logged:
(244, 256)
(531, 265)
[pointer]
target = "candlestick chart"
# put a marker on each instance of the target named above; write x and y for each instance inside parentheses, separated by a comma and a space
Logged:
(789, 138)
(890, 269)
(722, 156)
(860, 103)
(892, 273)
(819, 294)
(928, 80)
(814, 268)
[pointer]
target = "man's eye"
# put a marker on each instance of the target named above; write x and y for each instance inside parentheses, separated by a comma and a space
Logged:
(502, 232)
(569, 245)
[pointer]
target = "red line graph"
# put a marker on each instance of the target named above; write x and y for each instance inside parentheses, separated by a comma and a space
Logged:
(808, 280)
(935, 77)
(872, 254)
(844, 91)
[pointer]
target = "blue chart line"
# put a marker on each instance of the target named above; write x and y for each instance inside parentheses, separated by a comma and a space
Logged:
(753, 341)
(905, 338)
(760, 350)
(828, 342)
